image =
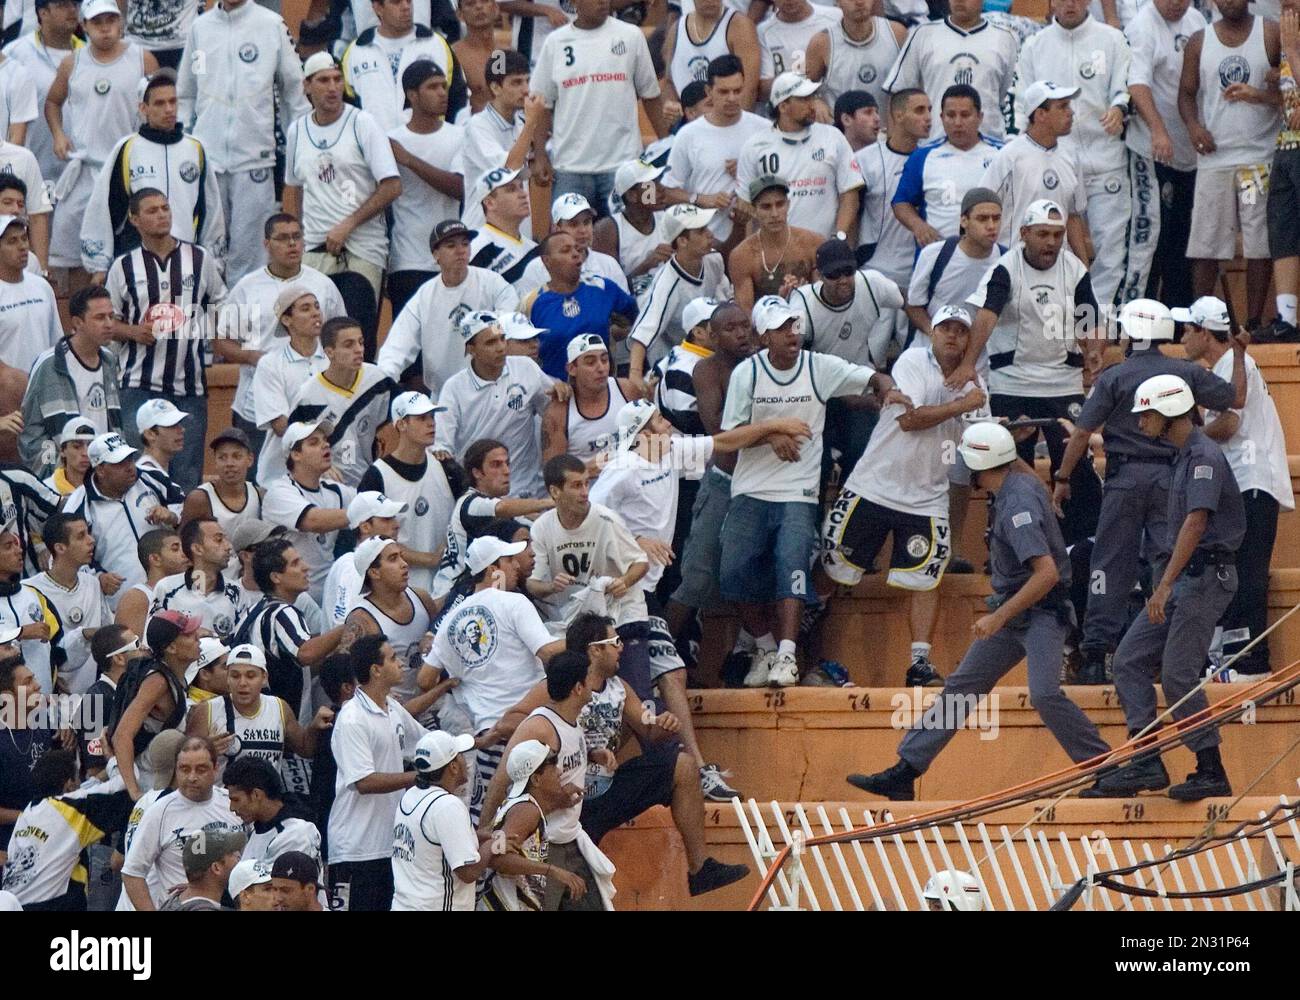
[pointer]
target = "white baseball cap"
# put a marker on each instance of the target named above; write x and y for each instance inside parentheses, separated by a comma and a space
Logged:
(299, 432)
(632, 420)
(493, 179)
(1207, 311)
(475, 323)
(158, 413)
(680, 218)
(517, 326)
(246, 653)
(285, 301)
(211, 649)
(698, 311)
(315, 63)
(788, 85)
(437, 749)
(247, 873)
(8, 633)
(945, 313)
(635, 172)
(523, 763)
(770, 312)
(365, 554)
(412, 404)
(109, 449)
(483, 552)
(8, 220)
(93, 8)
(570, 206)
(1037, 94)
(77, 429)
(372, 503)
(585, 343)
(1039, 213)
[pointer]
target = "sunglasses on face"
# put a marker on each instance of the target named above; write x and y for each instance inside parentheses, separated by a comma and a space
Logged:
(614, 640)
(130, 647)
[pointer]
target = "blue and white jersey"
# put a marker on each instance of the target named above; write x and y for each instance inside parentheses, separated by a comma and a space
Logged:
(937, 176)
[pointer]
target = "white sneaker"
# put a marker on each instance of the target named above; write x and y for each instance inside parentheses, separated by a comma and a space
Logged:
(759, 668)
(784, 672)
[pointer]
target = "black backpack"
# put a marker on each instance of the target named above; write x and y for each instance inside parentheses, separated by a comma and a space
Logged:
(129, 686)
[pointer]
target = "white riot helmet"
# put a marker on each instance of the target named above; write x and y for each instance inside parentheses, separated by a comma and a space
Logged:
(986, 445)
(1146, 320)
(1166, 394)
(957, 890)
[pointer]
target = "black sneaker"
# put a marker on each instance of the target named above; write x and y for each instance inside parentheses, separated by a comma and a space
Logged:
(1142, 776)
(956, 565)
(1202, 784)
(895, 784)
(735, 667)
(714, 875)
(1092, 670)
(1277, 332)
(922, 674)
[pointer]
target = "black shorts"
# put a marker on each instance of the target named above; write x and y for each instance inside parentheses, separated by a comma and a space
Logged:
(854, 533)
(361, 886)
(638, 785)
(1283, 201)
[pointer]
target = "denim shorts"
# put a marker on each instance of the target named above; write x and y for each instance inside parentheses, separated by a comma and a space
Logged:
(767, 550)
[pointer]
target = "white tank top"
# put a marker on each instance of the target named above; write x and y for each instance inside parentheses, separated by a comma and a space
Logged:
(1244, 134)
(429, 502)
(562, 825)
(230, 519)
(792, 394)
(691, 61)
(260, 735)
(634, 248)
(405, 639)
(859, 65)
(602, 727)
(589, 436)
(103, 101)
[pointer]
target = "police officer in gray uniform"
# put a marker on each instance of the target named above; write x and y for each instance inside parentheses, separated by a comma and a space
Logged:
(1207, 521)
(1136, 495)
(1030, 617)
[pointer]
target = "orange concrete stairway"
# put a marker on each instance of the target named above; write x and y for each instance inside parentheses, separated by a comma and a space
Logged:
(651, 859)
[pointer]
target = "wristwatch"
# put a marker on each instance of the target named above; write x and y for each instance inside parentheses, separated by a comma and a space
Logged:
(1059, 478)
(695, 200)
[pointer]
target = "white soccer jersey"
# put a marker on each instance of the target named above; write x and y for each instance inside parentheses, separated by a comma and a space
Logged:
(1024, 172)
(845, 330)
(276, 380)
(938, 55)
(893, 246)
(698, 161)
(260, 734)
(490, 642)
(471, 513)
(1157, 62)
(659, 326)
(595, 76)
(338, 166)
(818, 164)
(936, 178)
(216, 610)
(907, 471)
(486, 139)
(503, 254)
(599, 547)
(783, 45)
(81, 608)
(160, 837)
(427, 495)
(860, 65)
(117, 525)
(427, 325)
(1095, 58)
(251, 319)
(757, 391)
(353, 412)
(421, 207)
(285, 503)
(103, 102)
(433, 835)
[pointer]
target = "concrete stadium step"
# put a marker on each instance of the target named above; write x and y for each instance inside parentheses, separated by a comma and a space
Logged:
(800, 743)
(651, 860)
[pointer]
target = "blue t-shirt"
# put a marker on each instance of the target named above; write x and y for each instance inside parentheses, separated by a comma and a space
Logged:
(564, 317)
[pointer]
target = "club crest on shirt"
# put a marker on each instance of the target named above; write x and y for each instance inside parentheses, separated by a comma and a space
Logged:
(515, 397)
(473, 634)
(248, 53)
(1234, 69)
(1051, 180)
(1073, 410)
(35, 613)
(75, 616)
(619, 48)
(325, 169)
(1042, 293)
(819, 154)
(1180, 42)
(223, 625)
(102, 87)
(571, 308)
(95, 398)
(259, 175)
(421, 507)
(846, 330)
(1112, 185)
(698, 67)
(963, 68)
(189, 171)
(866, 74)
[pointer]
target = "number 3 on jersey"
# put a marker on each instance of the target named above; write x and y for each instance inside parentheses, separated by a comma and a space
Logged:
(574, 567)
(569, 58)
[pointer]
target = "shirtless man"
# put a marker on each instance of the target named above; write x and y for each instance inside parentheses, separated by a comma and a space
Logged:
(778, 257)
(473, 51)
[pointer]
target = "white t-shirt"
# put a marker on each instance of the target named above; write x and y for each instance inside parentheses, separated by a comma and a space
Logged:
(159, 840)
(1157, 62)
(355, 413)
(421, 207)
(846, 330)
(83, 607)
(340, 591)
(22, 163)
(339, 166)
(698, 161)
(276, 380)
(1023, 172)
(29, 320)
(659, 326)
(1257, 451)
(367, 740)
(941, 174)
(645, 493)
(817, 162)
(590, 77)
(286, 501)
(895, 246)
(91, 395)
(599, 547)
(783, 45)
(433, 835)
(490, 642)
(956, 284)
(906, 470)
